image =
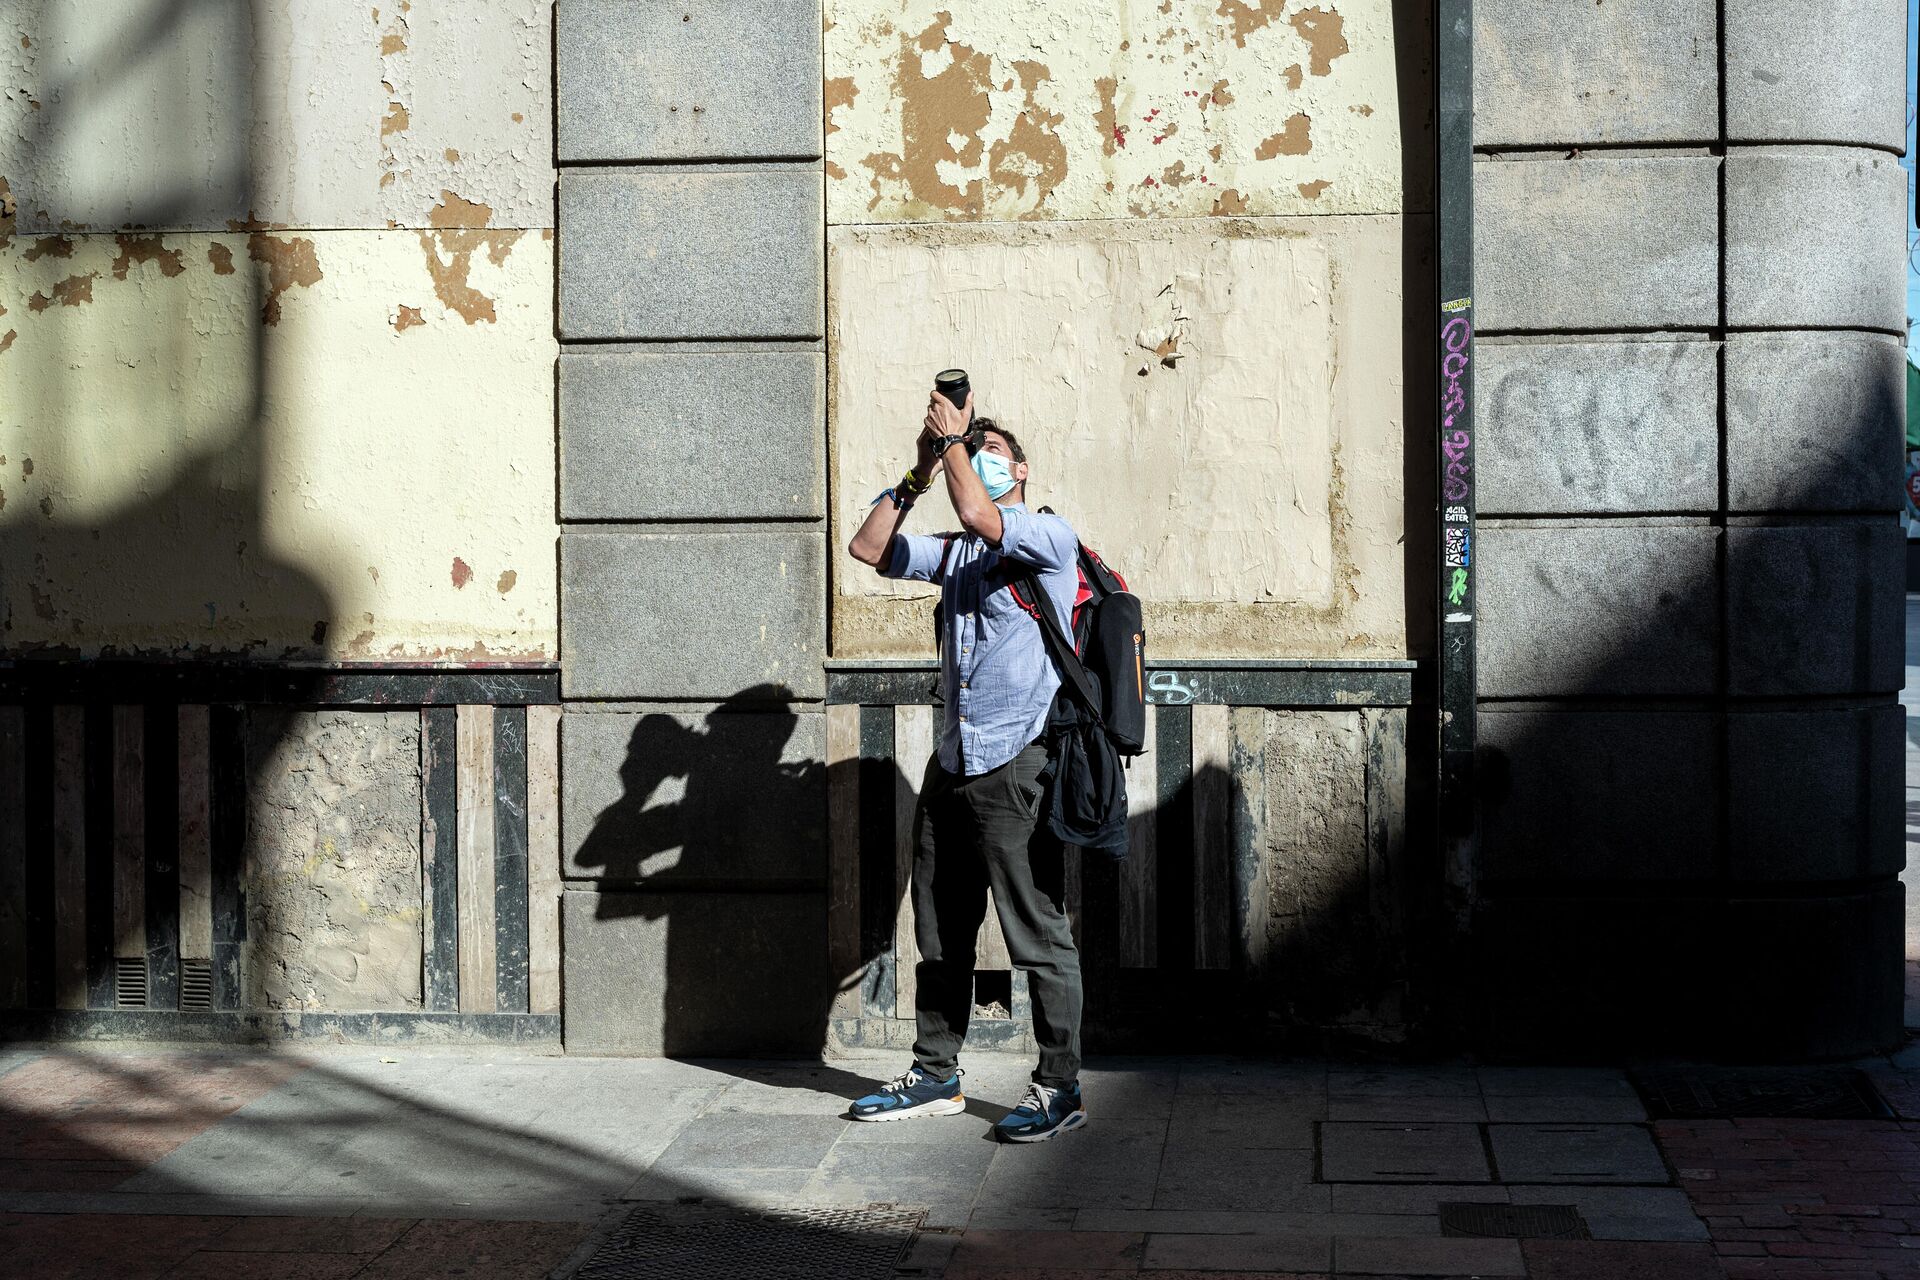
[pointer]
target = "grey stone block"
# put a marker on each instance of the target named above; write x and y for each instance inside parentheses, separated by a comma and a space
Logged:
(1591, 1153)
(1597, 243)
(715, 253)
(1593, 977)
(1816, 238)
(692, 614)
(724, 79)
(1835, 74)
(666, 798)
(1576, 427)
(1611, 609)
(692, 435)
(657, 974)
(1577, 74)
(1816, 977)
(1817, 795)
(1581, 795)
(1815, 421)
(1364, 1151)
(1815, 608)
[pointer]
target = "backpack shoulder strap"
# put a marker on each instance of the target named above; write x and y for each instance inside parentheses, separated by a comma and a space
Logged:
(1058, 642)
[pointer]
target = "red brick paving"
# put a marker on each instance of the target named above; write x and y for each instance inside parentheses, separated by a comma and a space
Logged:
(137, 1247)
(1828, 1198)
(1619, 1260)
(87, 1122)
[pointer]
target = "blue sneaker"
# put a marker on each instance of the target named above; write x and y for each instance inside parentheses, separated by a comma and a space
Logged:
(1043, 1113)
(914, 1093)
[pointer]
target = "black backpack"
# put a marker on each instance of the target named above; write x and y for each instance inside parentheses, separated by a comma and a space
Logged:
(1100, 713)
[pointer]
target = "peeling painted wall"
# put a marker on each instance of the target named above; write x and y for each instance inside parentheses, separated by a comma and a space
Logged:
(1039, 194)
(277, 291)
(1137, 108)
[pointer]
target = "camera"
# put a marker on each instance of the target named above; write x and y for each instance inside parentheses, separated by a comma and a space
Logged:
(953, 384)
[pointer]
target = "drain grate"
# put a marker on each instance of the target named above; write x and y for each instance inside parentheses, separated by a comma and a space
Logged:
(1512, 1221)
(196, 984)
(720, 1242)
(130, 983)
(1725, 1093)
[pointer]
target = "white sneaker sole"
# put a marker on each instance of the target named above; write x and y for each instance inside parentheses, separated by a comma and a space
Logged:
(938, 1107)
(1073, 1121)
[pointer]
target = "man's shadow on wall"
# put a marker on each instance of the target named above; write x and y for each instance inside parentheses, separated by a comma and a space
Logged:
(720, 834)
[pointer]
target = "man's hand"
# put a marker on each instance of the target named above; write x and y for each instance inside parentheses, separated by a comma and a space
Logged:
(944, 420)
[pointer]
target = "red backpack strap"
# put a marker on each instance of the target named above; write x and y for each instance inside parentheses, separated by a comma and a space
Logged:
(946, 550)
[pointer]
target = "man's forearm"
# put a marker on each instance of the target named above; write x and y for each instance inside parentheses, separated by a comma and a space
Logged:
(976, 510)
(872, 542)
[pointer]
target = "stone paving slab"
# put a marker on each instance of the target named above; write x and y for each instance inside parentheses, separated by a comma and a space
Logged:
(1624, 1213)
(1191, 1167)
(1214, 1177)
(1576, 1153)
(1388, 1152)
(1399, 1255)
(1422, 1108)
(1296, 1251)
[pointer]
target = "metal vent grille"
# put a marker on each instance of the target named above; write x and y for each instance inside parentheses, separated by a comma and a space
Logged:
(1512, 1221)
(130, 983)
(716, 1242)
(196, 984)
(1725, 1093)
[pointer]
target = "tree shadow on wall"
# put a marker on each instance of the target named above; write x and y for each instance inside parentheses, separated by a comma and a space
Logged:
(135, 447)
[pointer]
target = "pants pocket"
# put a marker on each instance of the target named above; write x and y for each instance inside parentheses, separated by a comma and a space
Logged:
(1025, 773)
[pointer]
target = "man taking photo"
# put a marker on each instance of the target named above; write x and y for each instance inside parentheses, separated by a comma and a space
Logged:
(979, 822)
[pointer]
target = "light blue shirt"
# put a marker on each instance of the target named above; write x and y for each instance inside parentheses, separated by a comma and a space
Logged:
(996, 674)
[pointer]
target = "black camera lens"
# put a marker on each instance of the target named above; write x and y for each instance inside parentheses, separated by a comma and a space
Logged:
(952, 383)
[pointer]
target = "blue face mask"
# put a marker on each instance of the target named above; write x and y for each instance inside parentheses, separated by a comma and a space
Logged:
(994, 473)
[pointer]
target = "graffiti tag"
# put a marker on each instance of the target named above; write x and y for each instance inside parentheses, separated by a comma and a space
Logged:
(1457, 515)
(1169, 690)
(1459, 548)
(1456, 337)
(1457, 589)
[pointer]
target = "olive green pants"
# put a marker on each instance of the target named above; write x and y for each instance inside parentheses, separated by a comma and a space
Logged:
(969, 834)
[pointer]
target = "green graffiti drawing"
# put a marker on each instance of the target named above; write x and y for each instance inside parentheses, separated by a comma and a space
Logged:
(1457, 590)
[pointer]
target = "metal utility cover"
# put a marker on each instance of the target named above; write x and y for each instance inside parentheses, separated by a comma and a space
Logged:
(720, 1242)
(1725, 1093)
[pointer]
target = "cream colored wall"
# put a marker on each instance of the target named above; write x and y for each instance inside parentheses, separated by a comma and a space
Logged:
(1120, 219)
(1227, 479)
(306, 410)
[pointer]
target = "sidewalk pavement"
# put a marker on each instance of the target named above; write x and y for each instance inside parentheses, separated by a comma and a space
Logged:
(322, 1163)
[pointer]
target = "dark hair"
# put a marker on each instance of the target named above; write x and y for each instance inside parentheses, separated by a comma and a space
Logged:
(1013, 443)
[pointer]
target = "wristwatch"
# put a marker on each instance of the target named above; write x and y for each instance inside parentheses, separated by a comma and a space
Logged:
(945, 443)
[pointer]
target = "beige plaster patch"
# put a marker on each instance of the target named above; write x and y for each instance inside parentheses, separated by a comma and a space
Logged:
(1214, 404)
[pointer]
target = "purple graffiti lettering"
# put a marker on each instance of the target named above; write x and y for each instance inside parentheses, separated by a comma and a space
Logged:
(1457, 475)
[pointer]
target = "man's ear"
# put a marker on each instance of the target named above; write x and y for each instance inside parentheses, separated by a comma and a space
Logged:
(1020, 472)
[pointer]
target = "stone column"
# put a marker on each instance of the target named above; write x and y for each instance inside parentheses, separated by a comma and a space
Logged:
(1690, 287)
(692, 491)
